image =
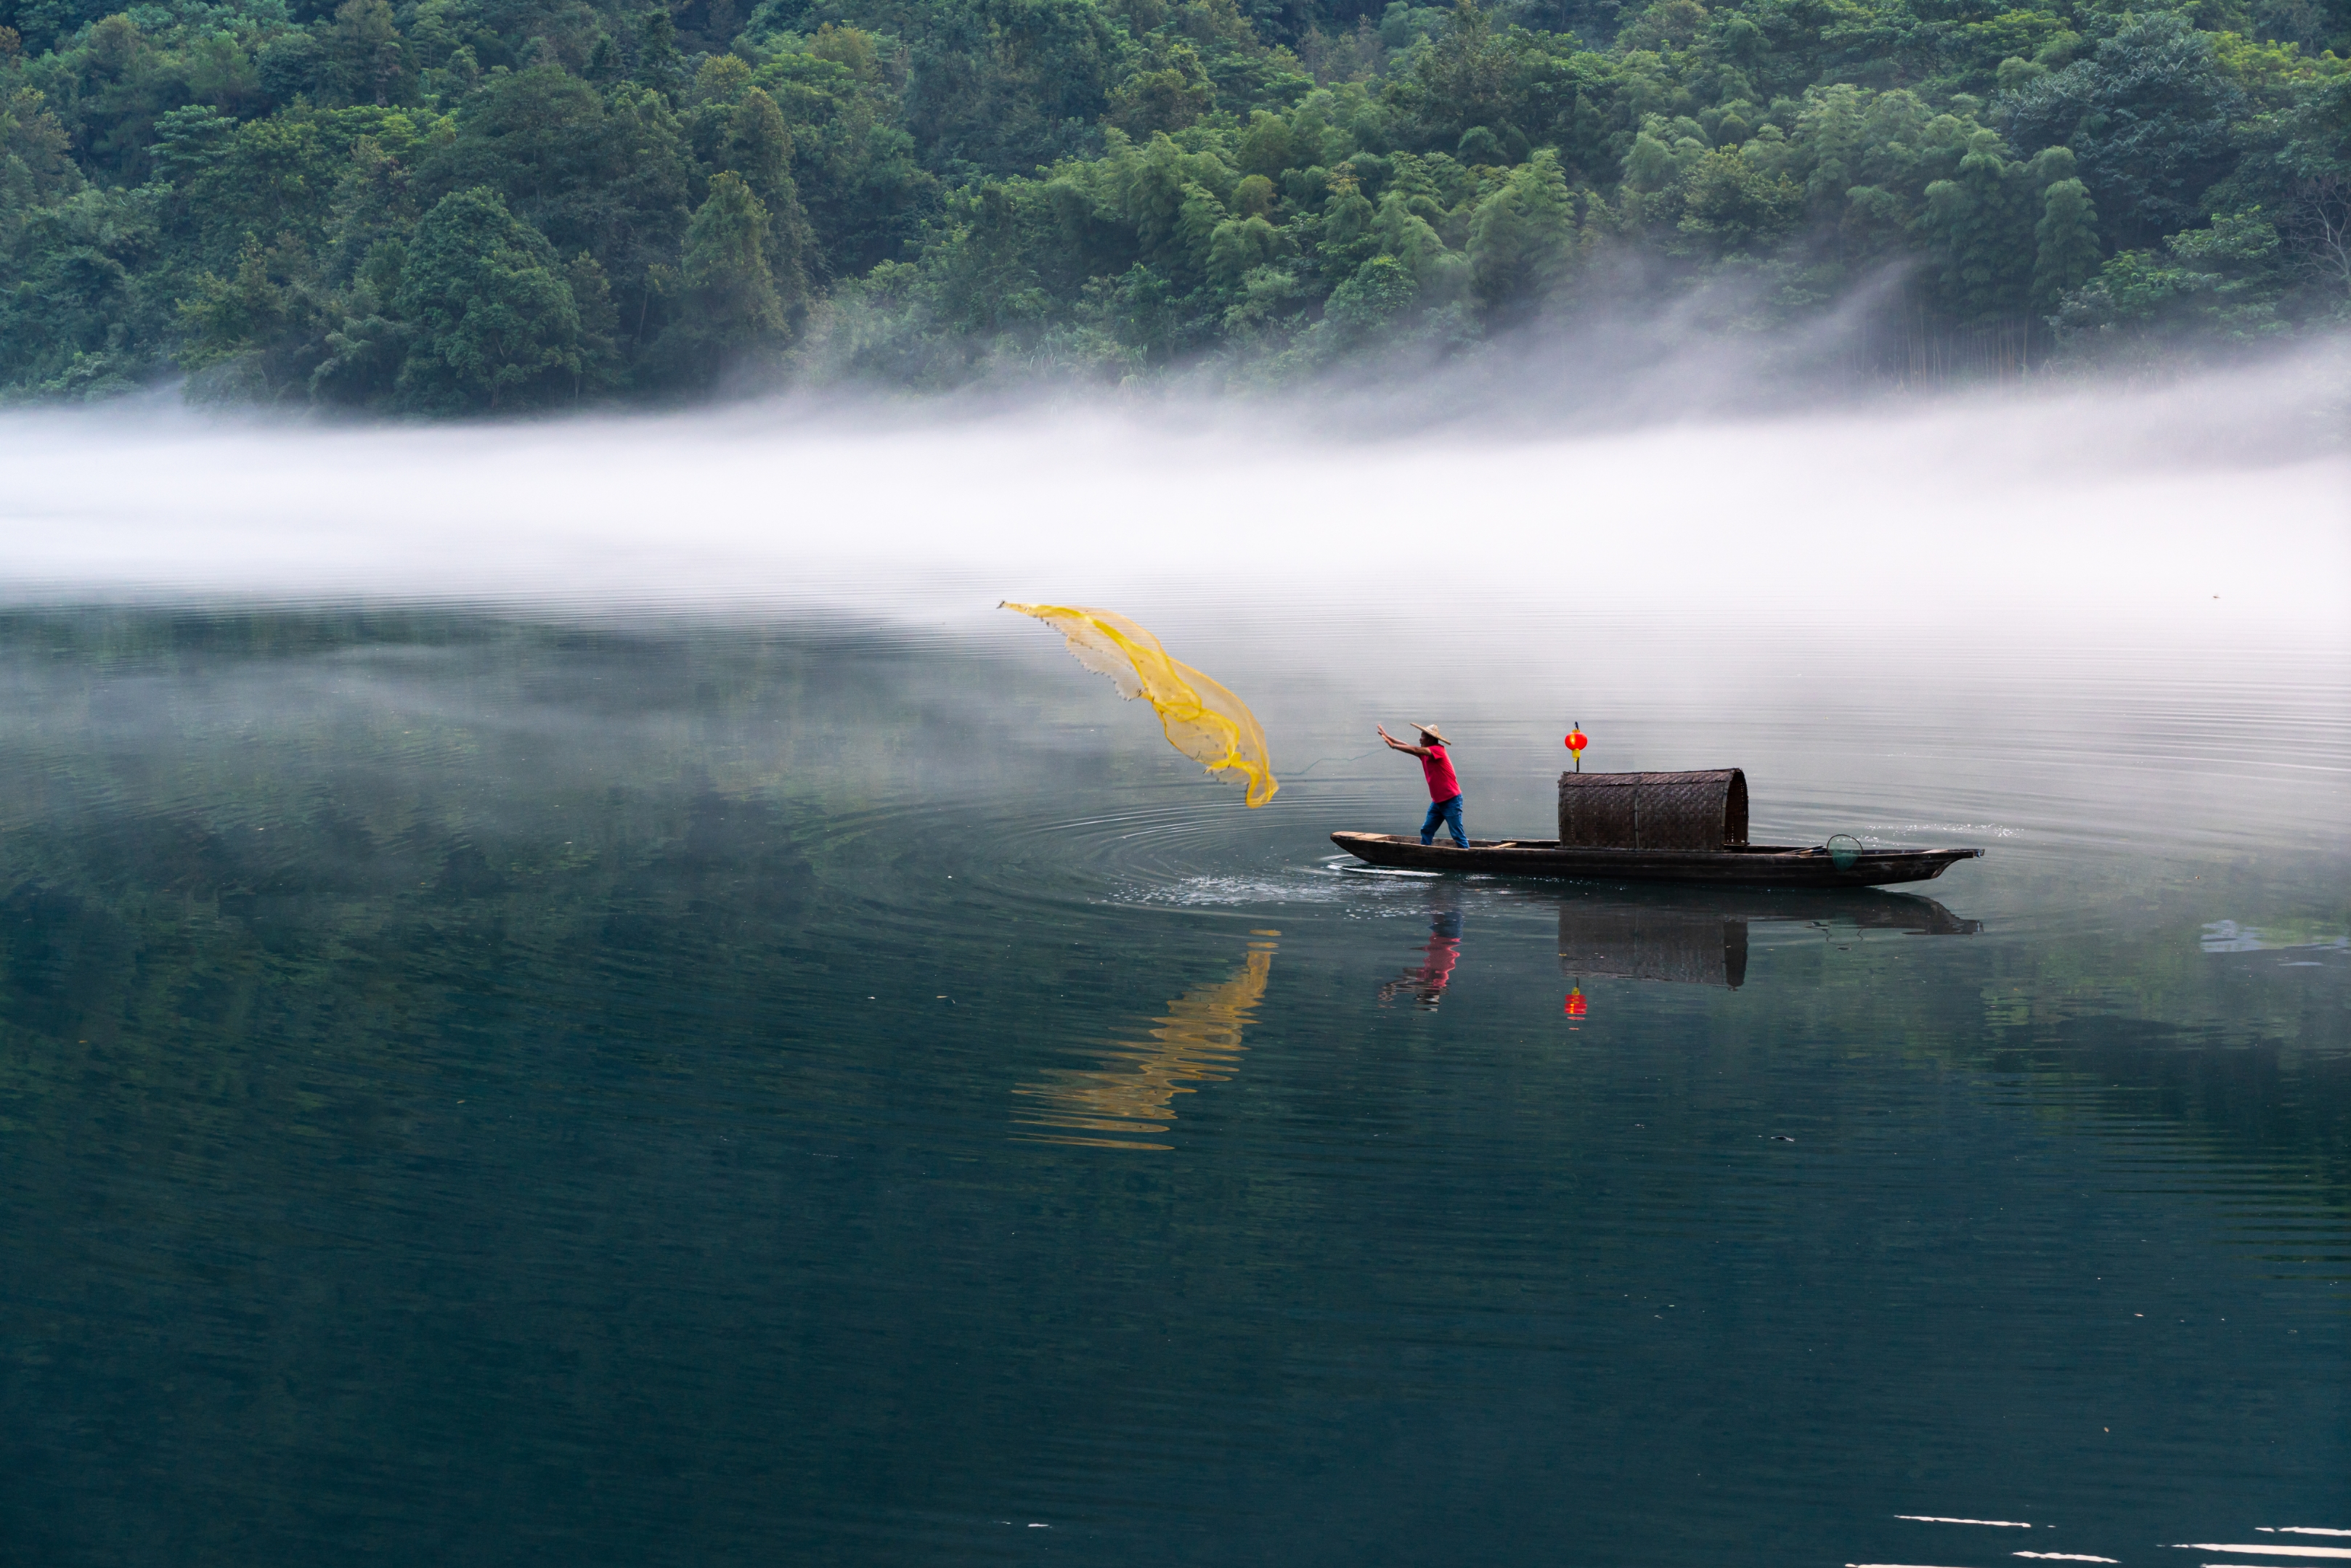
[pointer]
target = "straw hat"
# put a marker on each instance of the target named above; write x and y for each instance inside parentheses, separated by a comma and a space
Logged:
(1433, 733)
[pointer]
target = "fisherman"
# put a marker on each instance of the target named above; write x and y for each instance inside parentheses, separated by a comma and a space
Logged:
(1444, 789)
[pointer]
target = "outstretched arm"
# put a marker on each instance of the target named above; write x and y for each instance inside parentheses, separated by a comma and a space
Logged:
(1400, 746)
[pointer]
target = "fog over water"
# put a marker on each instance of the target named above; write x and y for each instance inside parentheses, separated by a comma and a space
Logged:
(2158, 567)
(2069, 511)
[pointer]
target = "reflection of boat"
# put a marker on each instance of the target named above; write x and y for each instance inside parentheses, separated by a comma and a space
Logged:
(1750, 865)
(1629, 943)
(1862, 907)
(1658, 827)
(1699, 937)
(1199, 1040)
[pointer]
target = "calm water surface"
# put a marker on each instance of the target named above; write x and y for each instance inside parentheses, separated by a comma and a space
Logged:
(500, 1089)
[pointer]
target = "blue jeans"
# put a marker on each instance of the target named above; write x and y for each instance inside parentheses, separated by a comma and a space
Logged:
(1449, 813)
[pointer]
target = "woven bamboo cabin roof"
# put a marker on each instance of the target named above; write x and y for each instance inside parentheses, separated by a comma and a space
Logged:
(1704, 810)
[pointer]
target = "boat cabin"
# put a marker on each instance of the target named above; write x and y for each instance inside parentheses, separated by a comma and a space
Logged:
(1704, 811)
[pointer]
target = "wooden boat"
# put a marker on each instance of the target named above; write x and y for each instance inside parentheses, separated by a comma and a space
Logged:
(1657, 826)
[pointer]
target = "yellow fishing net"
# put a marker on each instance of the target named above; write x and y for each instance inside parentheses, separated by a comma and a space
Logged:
(1203, 720)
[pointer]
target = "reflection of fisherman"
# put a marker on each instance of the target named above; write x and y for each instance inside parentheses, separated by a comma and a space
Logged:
(1444, 789)
(1436, 971)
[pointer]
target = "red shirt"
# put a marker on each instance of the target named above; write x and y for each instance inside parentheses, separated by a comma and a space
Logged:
(1442, 785)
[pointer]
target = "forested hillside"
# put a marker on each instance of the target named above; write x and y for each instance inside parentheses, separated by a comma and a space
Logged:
(454, 206)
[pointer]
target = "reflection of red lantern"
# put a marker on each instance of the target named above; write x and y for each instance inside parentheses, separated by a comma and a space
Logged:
(1574, 1007)
(1576, 741)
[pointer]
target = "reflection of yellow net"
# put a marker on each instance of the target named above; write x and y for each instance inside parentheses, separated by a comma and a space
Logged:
(1198, 1041)
(1203, 720)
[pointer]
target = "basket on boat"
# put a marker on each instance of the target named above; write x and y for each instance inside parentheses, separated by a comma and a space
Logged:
(1704, 811)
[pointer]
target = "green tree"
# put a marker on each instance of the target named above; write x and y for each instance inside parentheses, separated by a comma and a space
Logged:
(188, 140)
(1161, 101)
(599, 322)
(290, 66)
(1732, 206)
(608, 173)
(495, 324)
(1266, 148)
(731, 318)
(368, 62)
(35, 155)
(1002, 86)
(2066, 242)
(1347, 237)
(1238, 248)
(1467, 78)
(1372, 296)
(1522, 240)
(1144, 313)
(1196, 221)
(726, 269)
(271, 178)
(1975, 220)
(264, 314)
(362, 356)
(758, 148)
(2217, 285)
(658, 65)
(82, 313)
(2148, 114)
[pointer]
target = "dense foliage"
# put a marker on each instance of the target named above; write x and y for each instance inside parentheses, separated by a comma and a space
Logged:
(445, 206)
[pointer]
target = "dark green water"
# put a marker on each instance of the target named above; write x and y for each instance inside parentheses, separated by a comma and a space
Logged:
(480, 1089)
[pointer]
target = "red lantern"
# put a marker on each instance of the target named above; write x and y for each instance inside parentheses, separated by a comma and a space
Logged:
(1576, 741)
(1574, 1007)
